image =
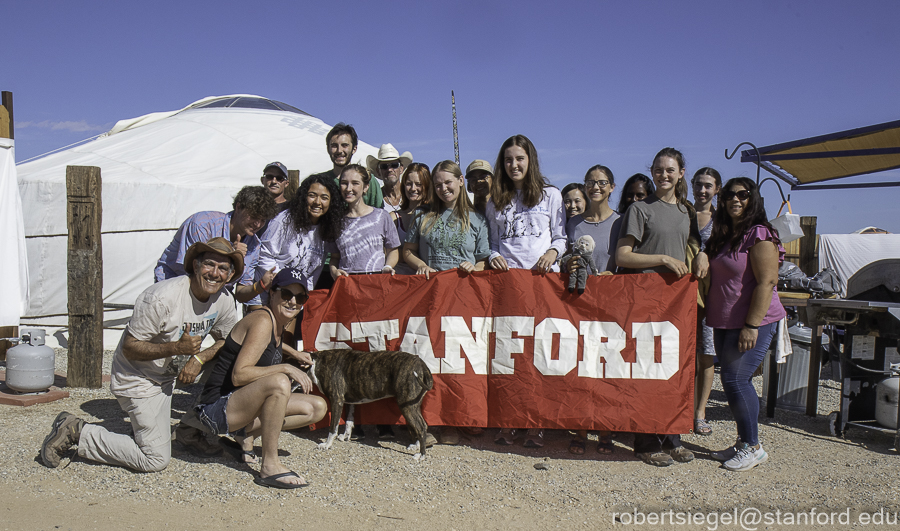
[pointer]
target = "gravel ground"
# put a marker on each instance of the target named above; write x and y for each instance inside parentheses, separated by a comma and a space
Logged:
(476, 485)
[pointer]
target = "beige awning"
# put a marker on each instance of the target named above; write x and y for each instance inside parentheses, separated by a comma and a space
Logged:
(834, 156)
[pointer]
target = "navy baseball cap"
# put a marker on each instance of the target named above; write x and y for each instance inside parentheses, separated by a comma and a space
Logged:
(278, 165)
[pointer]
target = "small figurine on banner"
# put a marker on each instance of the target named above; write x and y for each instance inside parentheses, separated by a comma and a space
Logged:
(582, 253)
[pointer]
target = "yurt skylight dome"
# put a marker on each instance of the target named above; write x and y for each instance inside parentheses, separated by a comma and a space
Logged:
(249, 102)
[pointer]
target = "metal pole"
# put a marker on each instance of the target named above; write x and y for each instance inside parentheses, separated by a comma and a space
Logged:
(455, 132)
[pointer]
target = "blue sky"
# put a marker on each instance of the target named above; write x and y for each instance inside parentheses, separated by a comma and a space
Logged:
(589, 82)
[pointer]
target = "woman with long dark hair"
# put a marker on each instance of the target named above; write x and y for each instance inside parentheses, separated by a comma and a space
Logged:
(637, 188)
(743, 308)
(654, 239)
(301, 236)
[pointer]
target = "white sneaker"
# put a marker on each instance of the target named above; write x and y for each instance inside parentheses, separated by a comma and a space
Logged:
(747, 458)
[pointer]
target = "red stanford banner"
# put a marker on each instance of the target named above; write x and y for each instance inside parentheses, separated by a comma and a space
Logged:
(515, 349)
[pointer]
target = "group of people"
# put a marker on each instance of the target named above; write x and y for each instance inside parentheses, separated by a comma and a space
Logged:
(275, 246)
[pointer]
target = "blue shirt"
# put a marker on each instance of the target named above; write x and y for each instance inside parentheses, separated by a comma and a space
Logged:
(202, 227)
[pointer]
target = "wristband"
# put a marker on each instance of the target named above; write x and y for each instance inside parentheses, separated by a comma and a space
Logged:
(751, 327)
(198, 359)
(263, 286)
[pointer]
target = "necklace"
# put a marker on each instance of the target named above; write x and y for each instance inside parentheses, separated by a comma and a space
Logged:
(392, 202)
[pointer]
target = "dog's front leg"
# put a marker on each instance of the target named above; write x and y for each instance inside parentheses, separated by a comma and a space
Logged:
(348, 424)
(337, 407)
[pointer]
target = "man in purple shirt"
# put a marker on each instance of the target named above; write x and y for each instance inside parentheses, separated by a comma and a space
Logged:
(253, 207)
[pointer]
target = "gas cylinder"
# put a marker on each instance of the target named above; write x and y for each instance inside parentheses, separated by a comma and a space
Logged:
(886, 394)
(30, 365)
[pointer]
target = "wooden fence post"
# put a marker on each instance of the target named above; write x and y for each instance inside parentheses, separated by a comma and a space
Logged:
(809, 257)
(7, 130)
(7, 121)
(85, 277)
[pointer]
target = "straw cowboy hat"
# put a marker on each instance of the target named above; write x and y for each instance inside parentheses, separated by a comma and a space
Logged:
(216, 245)
(388, 152)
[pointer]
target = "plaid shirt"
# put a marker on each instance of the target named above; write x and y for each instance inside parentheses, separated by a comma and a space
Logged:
(201, 227)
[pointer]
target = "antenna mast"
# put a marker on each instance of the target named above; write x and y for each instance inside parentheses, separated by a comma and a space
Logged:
(455, 132)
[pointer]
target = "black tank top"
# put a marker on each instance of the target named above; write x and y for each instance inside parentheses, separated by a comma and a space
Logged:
(220, 382)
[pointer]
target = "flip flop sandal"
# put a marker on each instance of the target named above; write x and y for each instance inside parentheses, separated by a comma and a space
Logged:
(247, 457)
(702, 427)
(272, 481)
(577, 446)
(605, 446)
(506, 438)
(535, 440)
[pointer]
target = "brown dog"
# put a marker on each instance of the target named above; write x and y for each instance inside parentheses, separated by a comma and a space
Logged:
(351, 377)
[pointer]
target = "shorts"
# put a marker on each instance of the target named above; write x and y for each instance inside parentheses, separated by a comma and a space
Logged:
(213, 417)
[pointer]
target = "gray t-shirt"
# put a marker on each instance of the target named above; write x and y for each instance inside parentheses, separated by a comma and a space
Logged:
(162, 313)
(445, 246)
(658, 228)
(363, 240)
(605, 234)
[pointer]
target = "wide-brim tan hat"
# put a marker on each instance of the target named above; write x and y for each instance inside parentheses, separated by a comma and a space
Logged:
(216, 245)
(385, 153)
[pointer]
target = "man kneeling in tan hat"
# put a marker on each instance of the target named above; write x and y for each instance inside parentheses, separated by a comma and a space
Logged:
(170, 319)
(388, 166)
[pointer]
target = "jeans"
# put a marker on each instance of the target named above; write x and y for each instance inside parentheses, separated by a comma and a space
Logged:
(737, 369)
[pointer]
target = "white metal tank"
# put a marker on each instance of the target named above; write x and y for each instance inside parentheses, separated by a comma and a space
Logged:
(887, 393)
(30, 365)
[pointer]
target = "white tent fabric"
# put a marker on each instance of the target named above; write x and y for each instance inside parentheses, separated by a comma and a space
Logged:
(156, 171)
(14, 265)
(848, 253)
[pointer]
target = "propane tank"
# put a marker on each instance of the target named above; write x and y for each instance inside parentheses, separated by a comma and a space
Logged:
(30, 366)
(886, 394)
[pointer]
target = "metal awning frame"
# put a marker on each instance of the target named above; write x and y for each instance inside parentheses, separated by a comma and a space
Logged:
(765, 158)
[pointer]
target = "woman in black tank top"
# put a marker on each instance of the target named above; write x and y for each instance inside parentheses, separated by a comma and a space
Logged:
(249, 393)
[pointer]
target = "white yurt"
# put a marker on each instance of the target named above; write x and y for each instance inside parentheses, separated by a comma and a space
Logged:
(157, 170)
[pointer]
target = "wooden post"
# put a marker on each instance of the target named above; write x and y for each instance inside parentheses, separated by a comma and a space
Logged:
(85, 277)
(6, 131)
(7, 125)
(815, 368)
(293, 184)
(809, 257)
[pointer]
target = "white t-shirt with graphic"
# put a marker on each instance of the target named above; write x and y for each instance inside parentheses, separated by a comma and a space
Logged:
(162, 313)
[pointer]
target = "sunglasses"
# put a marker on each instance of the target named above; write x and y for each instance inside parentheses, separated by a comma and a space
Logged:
(287, 295)
(279, 178)
(389, 165)
(743, 195)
